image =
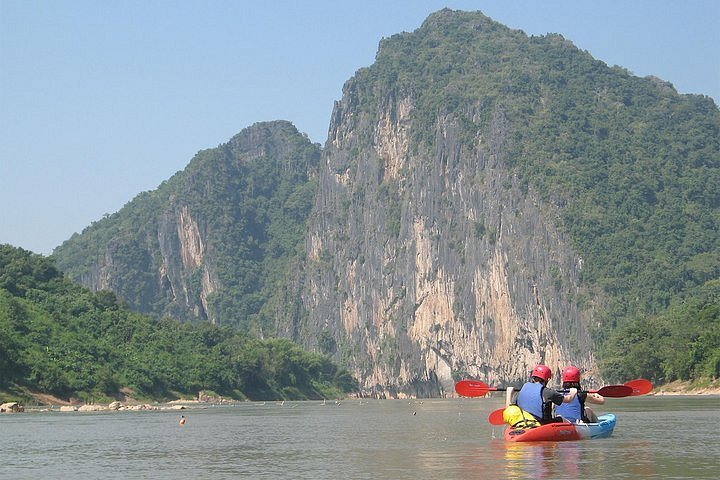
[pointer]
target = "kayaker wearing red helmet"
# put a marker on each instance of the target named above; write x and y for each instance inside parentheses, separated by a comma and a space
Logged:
(576, 410)
(536, 398)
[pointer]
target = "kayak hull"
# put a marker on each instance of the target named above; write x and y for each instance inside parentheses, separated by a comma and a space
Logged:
(563, 432)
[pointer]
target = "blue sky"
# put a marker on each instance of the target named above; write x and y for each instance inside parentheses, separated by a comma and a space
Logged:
(101, 100)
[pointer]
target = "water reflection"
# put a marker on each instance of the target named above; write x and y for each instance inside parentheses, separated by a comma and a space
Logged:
(502, 459)
(587, 459)
(539, 460)
(596, 459)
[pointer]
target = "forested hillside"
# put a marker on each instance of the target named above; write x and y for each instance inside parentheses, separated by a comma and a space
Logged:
(681, 343)
(57, 337)
(216, 241)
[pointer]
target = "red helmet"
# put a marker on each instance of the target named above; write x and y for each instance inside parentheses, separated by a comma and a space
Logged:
(542, 371)
(571, 374)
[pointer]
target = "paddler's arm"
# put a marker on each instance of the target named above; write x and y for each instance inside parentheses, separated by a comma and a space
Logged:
(570, 395)
(595, 398)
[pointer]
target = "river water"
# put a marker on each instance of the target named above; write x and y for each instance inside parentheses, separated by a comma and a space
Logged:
(655, 437)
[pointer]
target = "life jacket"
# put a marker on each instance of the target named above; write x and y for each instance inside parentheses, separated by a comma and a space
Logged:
(575, 410)
(530, 399)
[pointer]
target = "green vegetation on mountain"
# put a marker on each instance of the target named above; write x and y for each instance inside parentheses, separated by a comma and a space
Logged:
(633, 168)
(250, 197)
(57, 337)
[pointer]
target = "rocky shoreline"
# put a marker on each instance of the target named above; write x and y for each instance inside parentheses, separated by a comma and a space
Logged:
(111, 407)
(48, 403)
(117, 407)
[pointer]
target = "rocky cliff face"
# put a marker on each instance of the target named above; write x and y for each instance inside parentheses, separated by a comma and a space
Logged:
(428, 261)
(185, 274)
(428, 264)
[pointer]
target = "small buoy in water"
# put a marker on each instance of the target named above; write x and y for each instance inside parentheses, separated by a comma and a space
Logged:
(182, 420)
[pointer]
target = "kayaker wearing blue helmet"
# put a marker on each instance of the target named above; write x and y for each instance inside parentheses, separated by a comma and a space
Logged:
(537, 399)
(576, 410)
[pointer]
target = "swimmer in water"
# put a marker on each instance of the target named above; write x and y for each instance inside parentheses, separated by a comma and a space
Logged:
(182, 419)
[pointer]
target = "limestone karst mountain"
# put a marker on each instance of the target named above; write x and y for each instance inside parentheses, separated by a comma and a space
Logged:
(485, 200)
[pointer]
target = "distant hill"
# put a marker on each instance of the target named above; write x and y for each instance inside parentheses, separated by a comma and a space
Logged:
(485, 200)
(215, 241)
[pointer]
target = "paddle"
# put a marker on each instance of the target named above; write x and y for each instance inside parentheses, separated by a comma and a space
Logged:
(496, 417)
(640, 386)
(614, 391)
(632, 388)
(475, 388)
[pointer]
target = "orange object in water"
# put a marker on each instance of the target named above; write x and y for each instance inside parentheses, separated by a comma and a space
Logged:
(182, 420)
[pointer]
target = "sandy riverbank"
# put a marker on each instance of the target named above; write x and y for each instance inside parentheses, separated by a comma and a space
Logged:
(687, 388)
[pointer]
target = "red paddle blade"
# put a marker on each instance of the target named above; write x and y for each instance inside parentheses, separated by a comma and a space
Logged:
(496, 417)
(616, 391)
(472, 388)
(639, 386)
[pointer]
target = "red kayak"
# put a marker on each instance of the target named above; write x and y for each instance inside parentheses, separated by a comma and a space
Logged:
(560, 432)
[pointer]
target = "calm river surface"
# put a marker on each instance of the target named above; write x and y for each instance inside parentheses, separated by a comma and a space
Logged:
(655, 437)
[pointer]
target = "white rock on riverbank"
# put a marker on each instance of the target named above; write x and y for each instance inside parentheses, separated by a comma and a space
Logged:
(11, 407)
